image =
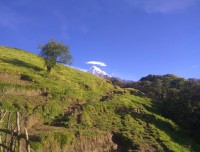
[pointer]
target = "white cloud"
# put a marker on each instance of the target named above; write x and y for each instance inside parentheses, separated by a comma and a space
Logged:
(162, 6)
(96, 63)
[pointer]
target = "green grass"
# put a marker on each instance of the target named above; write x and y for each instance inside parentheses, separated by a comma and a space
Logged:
(84, 105)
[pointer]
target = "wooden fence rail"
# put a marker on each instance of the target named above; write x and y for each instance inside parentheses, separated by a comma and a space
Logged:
(13, 134)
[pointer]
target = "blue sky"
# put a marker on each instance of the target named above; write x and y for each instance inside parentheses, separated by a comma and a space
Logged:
(131, 38)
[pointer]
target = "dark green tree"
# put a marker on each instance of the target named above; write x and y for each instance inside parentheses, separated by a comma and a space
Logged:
(54, 52)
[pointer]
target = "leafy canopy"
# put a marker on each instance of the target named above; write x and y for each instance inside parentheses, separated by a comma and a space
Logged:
(53, 52)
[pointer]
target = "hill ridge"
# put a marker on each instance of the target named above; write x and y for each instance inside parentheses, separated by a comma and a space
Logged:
(95, 111)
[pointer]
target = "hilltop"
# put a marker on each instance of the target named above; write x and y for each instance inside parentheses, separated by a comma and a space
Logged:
(75, 111)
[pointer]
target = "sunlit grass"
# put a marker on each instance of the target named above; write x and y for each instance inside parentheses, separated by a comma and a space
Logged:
(104, 107)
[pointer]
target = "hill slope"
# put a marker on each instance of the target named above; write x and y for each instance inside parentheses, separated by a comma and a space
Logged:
(76, 111)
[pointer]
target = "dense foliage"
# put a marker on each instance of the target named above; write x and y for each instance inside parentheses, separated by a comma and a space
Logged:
(179, 99)
(75, 111)
(53, 52)
(195, 80)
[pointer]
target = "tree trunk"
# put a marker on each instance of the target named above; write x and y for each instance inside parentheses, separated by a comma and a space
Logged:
(48, 69)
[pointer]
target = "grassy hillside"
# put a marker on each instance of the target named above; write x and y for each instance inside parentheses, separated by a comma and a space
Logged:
(76, 111)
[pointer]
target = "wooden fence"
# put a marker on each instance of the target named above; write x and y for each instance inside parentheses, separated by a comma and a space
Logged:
(11, 135)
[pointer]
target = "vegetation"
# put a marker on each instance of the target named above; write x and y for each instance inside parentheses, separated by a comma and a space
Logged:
(71, 107)
(53, 52)
(179, 99)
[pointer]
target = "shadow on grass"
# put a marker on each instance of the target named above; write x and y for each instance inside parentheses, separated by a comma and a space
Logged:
(137, 93)
(21, 63)
(175, 133)
(154, 108)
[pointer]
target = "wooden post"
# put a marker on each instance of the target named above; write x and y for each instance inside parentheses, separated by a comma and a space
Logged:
(1, 150)
(7, 127)
(2, 115)
(12, 142)
(18, 132)
(28, 149)
(13, 134)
